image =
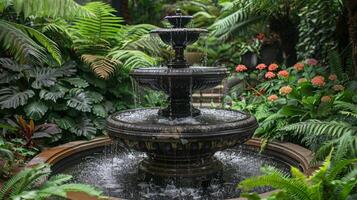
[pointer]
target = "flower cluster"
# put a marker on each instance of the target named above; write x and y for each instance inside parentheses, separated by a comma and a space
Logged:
(273, 97)
(241, 68)
(261, 66)
(318, 81)
(283, 73)
(285, 90)
(299, 66)
(273, 67)
(270, 75)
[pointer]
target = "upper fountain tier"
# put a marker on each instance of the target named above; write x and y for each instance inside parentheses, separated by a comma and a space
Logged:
(178, 80)
(179, 37)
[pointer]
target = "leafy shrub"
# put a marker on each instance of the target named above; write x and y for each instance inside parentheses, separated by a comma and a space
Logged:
(69, 96)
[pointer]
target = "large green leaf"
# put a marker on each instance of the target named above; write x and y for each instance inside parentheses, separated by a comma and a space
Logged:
(12, 97)
(79, 100)
(65, 122)
(36, 110)
(84, 127)
(78, 82)
(54, 93)
(44, 77)
(95, 96)
(99, 110)
(20, 45)
(50, 45)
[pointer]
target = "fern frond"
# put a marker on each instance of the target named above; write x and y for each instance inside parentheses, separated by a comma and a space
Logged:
(132, 58)
(277, 179)
(346, 106)
(67, 9)
(315, 127)
(103, 25)
(101, 65)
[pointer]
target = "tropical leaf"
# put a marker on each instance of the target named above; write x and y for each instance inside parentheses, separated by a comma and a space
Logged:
(79, 100)
(54, 93)
(50, 45)
(99, 110)
(65, 123)
(84, 127)
(20, 45)
(12, 97)
(44, 77)
(95, 96)
(36, 110)
(77, 82)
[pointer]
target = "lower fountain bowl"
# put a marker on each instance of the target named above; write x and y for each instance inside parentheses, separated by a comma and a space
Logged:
(113, 169)
(182, 147)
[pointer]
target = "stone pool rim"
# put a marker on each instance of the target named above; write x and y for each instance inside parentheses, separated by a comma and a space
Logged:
(284, 151)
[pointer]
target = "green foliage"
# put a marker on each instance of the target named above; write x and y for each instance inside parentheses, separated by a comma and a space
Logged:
(61, 95)
(67, 9)
(12, 97)
(20, 45)
(318, 20)
(29, 184)
(327, 183)
(339, 135)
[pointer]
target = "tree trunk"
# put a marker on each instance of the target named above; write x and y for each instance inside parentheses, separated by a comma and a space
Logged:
(352, 15)
(122, 6)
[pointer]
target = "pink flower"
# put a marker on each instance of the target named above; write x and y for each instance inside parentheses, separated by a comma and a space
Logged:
(283, 73)
(261, 66)
(318, 81)
(311, 62)
(270, 75)
(332, 77)
(299, 66)
(273, 67)
(285, 90)
(273, 97)
(241, 68)
(301, 80)
(326, 99)
(338, 88)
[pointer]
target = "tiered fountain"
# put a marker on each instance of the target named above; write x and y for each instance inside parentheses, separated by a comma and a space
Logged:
(180, 140)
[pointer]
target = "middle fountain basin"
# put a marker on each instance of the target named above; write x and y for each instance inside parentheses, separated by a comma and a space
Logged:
(166, 79)
(183, 147)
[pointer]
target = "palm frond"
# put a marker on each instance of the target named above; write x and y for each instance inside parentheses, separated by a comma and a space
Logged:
(20, 45)
(50, 45)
